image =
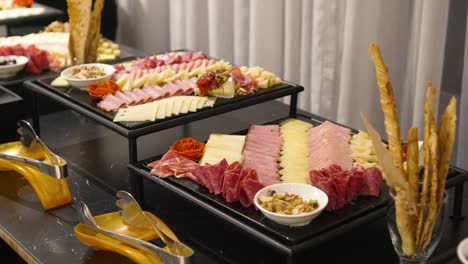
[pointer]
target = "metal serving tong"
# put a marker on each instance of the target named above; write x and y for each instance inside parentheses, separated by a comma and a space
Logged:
(133, 215)
(53, 165)
(86, 217)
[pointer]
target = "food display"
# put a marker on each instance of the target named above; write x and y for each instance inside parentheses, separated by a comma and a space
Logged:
(295, 150)
(285, 203)
(86, 72)
(418, 199)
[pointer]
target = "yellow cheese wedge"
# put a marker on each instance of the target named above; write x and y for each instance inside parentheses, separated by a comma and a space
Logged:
(128, 85)
(141, 81)
(59, 82)
(122, 80)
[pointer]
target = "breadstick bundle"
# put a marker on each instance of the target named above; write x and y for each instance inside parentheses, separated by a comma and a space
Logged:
(418, 200)
(85, 30)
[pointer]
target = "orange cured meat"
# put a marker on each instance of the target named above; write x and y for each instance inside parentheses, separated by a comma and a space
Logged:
(189, 148)
(99, 90)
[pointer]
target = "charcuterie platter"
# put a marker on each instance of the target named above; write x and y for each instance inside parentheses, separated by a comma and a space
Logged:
(155, 94)
(239, 215)
(253, 223)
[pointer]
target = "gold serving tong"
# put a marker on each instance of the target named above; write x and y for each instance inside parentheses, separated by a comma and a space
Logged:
(44, 170)
(140, 251)
(43, 159)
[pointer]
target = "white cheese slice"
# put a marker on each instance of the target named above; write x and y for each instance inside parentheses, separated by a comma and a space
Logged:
(178, 100)
(169, 106)
(161, 113)
(214, 156)
(193, 104)
(201, 102)
(186, 104)
(210, 102)
(138, 113)
(59, 82)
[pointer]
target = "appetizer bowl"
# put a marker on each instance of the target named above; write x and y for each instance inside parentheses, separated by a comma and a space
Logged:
(82, 82)
(462, 251)
(10, 70)
(304, 191)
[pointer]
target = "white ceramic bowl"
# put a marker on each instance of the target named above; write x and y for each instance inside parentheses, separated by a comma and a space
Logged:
(305, 191)
(83, 83)
(7, 71)
(462, 251)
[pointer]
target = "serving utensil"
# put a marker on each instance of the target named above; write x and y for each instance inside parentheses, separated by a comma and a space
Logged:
(52, 165)
(85, 217)
(132, 214)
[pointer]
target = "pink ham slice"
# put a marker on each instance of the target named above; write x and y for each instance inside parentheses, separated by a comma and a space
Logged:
(261, 152)
(147, 94)
(328, 145)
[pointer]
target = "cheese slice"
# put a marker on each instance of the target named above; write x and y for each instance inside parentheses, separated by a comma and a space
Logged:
(193, 104)
(59, 82)
(161, 113)
(169, 106)
(178, 100)
(141, 81)
(213, 156)
(128, 85)
(201, 102)
(138, 113)
(210, 102)
(121, 82)
(186, 104)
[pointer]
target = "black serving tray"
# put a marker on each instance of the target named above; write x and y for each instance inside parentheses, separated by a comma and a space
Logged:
(288, 240)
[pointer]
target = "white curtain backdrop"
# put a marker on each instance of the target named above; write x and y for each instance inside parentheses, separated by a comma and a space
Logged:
(320, 44)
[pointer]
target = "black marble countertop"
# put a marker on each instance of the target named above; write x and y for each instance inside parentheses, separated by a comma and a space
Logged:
(97, 158)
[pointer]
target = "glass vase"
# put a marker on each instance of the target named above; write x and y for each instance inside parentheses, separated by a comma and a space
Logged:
(419, 257)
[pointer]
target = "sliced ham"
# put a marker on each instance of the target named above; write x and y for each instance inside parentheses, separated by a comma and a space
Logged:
(147, 94)
(328, 145)
(261, 152)
(172, 164)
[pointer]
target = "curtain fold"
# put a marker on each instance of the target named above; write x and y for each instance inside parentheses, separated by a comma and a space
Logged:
(320, 44)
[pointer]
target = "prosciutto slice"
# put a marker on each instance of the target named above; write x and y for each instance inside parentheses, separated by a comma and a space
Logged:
(172, 164)
(344, 186)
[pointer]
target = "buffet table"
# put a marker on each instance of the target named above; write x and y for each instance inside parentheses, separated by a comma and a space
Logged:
(53, 241)
(38, 13)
